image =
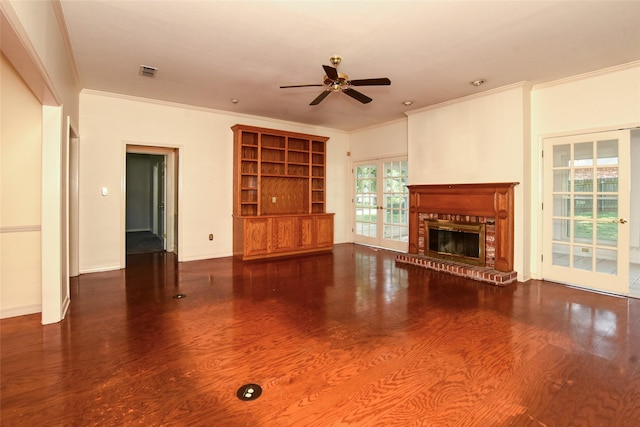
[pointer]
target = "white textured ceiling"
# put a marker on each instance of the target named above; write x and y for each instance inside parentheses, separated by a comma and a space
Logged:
(208, 52)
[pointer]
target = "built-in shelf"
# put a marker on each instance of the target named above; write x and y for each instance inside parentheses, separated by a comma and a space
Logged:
(279, 173)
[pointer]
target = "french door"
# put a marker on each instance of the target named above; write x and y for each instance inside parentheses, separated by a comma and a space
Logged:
(381, 203)
(586, 210)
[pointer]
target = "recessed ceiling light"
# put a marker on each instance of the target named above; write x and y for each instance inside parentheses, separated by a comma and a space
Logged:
(478, 82)
(407, 103)
(234, 101)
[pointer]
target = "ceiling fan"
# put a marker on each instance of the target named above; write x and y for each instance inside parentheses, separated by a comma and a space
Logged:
(339, 82)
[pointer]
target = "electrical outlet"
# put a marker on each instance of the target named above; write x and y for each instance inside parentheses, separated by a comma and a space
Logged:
(273, 199)
(210, 236)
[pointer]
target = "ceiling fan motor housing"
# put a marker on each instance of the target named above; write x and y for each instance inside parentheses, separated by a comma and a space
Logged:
(343, 80)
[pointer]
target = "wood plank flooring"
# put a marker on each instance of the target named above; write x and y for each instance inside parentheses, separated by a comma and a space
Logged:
(340, 339)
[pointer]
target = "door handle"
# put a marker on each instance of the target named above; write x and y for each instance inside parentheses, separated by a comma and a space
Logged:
(621, 221)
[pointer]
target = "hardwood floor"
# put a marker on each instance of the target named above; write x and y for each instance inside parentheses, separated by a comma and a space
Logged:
(345, 338)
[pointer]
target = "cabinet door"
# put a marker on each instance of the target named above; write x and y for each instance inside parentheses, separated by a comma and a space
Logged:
(324, 231)
(306, 232)
(256, 233)
(283, 235)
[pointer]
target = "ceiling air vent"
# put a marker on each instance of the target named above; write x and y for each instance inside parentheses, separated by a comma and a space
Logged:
(147, 71)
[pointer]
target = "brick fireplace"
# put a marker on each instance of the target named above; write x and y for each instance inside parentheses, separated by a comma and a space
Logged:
(490, 204)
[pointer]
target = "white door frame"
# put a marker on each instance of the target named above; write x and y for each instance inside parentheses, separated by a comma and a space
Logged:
(73, 201)
(54, 222)
(173, 199)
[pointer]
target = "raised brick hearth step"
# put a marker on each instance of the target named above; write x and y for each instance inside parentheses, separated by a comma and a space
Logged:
(482, 274)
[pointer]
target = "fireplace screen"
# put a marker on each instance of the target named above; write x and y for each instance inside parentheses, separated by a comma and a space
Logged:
(455, 241)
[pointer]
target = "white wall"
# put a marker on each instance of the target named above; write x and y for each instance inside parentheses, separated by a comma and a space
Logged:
(38, 24)
(205, 142)
(34, 42)
(20, 188)
(607, 100)
(479, 139)
(475, 140)
(386, 140)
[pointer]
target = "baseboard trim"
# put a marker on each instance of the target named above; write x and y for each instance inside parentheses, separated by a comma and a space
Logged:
(99, 269)
(65, 307)
(6, 313)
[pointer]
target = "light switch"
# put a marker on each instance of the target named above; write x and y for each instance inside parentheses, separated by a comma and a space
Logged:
(105, 191)
(273, 199)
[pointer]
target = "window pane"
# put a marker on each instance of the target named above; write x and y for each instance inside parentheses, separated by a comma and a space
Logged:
(607, 152)
(607, 207)
(561, 180)
(560, 255)
(607, 233)
(583, 258)
(607, 179)
(561, 205)
(583, 231)
(561, 230)
(607, 261)
(562, 155)
(583, 180)
(405, 168)
(583, 154)
(583, 206)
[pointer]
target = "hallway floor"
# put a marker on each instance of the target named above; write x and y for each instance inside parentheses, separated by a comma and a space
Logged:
(142, 242)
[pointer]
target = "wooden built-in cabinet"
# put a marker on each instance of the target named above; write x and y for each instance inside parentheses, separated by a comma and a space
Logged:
(279, 193)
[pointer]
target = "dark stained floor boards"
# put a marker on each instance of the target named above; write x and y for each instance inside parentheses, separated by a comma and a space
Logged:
(344, 338)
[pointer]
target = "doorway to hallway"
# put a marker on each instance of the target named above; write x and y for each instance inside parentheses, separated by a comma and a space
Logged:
(151, 200)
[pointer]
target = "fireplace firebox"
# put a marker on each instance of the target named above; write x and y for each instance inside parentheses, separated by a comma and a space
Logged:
(456, 241)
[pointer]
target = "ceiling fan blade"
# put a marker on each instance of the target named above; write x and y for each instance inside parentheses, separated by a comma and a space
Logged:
(320, 97)
(357, 95)
(286, 87)
(383, 81)
(331, 72)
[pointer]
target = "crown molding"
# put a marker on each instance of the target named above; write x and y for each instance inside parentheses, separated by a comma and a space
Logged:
(66, 39)
(519, 85)
(311, 128)
(588, 75)
(380, 125)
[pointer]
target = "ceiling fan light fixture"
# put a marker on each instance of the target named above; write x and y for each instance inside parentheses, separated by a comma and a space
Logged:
(339, 82)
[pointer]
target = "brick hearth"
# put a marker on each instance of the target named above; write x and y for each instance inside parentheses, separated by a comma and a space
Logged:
(482, 274)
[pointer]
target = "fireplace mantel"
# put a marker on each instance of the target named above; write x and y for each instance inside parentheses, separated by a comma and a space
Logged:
(489, 200)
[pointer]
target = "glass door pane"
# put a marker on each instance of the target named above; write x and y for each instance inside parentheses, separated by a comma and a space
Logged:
(584, 178)
(366, 201)
(396, 202)
(381, 203)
